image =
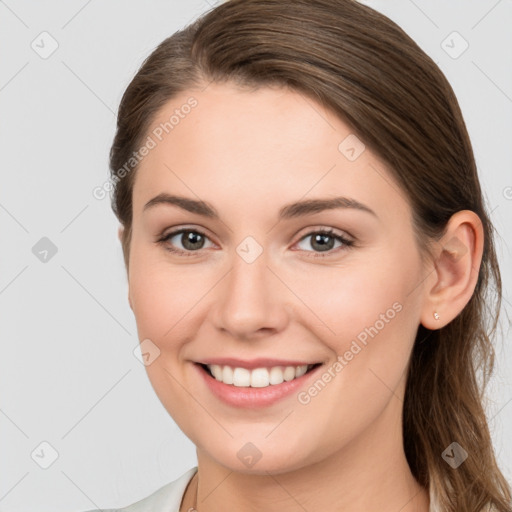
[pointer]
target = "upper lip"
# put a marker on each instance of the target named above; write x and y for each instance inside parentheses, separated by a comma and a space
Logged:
(254, 363)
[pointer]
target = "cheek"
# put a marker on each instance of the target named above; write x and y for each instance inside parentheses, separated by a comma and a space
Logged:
(165, 296)
(366, 315)
(163, 300)
(371, 321)
(345, 303)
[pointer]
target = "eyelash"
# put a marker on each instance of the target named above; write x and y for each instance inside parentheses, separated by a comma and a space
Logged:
(330, 232)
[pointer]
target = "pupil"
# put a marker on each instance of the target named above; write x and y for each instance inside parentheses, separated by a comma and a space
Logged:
(192, 238)
(321, 239)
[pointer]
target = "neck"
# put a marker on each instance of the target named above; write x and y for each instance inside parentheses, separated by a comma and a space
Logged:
(369, 473)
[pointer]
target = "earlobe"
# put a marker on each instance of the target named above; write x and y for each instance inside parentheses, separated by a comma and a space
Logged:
(455, 271)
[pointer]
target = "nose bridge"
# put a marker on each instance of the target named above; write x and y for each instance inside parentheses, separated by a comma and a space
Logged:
(250, 299)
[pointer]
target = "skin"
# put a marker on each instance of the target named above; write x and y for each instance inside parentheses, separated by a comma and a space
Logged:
(248, 153)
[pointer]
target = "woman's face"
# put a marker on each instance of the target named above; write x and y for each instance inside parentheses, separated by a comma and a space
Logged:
(260, 280)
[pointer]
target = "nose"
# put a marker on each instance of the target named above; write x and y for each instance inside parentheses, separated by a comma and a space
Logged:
(251, 300)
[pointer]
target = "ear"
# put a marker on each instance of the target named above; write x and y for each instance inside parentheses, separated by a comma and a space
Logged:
(451, 283)
(120, 232)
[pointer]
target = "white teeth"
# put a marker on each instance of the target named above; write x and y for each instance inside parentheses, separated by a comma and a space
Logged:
(241, 377)
(289, 373)
(216, 371)
(258, 377)
(301, 370)
(276, 375)
(227, 375)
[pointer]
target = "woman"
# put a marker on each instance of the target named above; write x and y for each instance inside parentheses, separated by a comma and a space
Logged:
(308, 255)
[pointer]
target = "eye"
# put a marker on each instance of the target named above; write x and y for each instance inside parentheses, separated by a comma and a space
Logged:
(323, 240)
(192, 241)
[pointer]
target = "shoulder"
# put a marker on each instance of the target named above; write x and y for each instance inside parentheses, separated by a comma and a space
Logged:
(165, 499)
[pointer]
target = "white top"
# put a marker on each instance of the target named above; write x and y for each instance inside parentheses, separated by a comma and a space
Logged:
(168, 498)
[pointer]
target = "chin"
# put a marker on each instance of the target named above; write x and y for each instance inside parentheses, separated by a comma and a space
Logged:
(253, 459)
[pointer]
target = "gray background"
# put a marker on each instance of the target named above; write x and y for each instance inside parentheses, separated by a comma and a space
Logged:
(68, 373)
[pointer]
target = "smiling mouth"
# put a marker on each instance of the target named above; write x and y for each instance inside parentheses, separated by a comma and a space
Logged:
(258, 377)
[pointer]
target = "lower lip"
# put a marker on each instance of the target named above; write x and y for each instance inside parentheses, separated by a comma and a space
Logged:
(252, 398)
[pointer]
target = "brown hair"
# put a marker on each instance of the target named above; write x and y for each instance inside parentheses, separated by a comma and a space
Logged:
(362, 66)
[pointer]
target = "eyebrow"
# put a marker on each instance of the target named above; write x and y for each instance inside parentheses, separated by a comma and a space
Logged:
(289, 211)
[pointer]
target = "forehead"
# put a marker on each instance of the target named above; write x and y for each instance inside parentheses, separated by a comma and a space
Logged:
(227, 145)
